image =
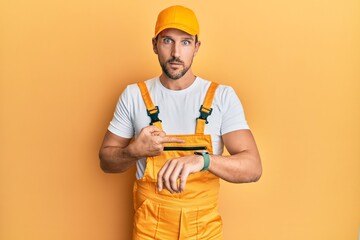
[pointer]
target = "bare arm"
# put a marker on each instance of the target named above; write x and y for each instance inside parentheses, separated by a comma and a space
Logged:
(117, 154)
(242, 166)
(114, 154)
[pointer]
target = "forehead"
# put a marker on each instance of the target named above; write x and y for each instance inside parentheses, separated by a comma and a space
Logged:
(175, 33)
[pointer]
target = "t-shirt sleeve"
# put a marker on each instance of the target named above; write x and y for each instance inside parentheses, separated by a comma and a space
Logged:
(233, 117)
(121, 123)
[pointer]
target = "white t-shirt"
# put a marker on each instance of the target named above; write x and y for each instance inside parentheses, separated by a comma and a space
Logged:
(178, 110)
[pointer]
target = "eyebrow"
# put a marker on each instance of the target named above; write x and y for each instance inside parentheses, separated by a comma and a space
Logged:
(188, 38)
(185, 38)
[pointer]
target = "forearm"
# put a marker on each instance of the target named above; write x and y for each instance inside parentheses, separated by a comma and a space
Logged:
(116, 159)
(242, 167)
(117, 154)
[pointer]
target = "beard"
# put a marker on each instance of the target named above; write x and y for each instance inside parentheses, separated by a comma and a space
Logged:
(174, 75)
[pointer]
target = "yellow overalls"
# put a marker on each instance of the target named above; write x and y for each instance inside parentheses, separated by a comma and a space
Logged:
(191, 214)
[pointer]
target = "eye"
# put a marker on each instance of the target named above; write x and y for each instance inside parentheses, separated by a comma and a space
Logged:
(167, 40)
(186, 42)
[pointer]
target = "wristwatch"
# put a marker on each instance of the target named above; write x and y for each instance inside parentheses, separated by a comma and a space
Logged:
(206, 157)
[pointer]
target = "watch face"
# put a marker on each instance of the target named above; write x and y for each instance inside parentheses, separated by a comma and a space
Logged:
(201, 153)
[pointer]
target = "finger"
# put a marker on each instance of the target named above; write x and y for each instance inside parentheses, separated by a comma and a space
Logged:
(162, 134)
(171, 140)
(152, 129)
(158, 133)
(175, 175)
(183, 178)
(160, 182)
(167, 175)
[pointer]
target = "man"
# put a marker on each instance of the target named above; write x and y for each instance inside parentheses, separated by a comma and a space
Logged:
(177, 147)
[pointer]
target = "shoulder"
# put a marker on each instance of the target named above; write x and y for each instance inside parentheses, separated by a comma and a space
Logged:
(222, 91)
(132, 90)
(134, 86)
(225, 92)
(202, 83)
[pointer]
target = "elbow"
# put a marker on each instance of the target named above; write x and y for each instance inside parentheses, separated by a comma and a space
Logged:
(103, 164)
(249, 176)
(256, 175)
(107, 166)
(256, 171)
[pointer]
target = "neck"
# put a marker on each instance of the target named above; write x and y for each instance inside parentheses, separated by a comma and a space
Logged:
(178, 84)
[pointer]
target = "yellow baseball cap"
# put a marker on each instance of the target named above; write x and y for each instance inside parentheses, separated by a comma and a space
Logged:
(178, 17)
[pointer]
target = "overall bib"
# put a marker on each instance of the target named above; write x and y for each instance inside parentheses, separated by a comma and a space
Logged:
(191, 214)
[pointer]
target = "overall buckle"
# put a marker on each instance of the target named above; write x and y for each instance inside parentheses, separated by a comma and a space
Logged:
(154, 116)
(204, 114)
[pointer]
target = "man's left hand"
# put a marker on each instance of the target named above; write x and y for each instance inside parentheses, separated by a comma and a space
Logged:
(178, 168)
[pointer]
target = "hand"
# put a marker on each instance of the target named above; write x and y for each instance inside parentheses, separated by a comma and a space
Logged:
(150, 142)
(178, 168)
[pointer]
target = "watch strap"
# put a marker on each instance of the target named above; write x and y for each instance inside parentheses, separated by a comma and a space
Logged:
(206, 158)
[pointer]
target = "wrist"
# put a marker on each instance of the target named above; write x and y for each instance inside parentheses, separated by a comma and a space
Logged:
(206, 159)
(131, 151)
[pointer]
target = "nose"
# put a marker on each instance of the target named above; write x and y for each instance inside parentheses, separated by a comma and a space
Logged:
(175, 51)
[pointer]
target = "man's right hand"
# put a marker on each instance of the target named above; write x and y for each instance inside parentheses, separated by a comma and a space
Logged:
(150, 142)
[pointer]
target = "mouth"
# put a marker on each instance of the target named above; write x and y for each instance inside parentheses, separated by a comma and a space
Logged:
(175, 63)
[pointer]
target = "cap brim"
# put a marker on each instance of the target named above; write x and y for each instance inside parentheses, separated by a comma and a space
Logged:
(179, 27)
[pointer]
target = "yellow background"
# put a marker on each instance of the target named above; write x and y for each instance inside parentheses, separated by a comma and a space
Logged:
(294, 64)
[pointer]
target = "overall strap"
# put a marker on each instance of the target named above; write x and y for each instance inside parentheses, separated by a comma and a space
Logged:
(152, 110)
(205, 109)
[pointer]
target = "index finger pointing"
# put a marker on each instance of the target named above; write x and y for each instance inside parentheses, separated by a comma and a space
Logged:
(172, 140)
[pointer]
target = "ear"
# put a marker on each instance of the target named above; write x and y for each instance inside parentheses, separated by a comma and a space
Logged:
(154, 43)
(197, 46)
